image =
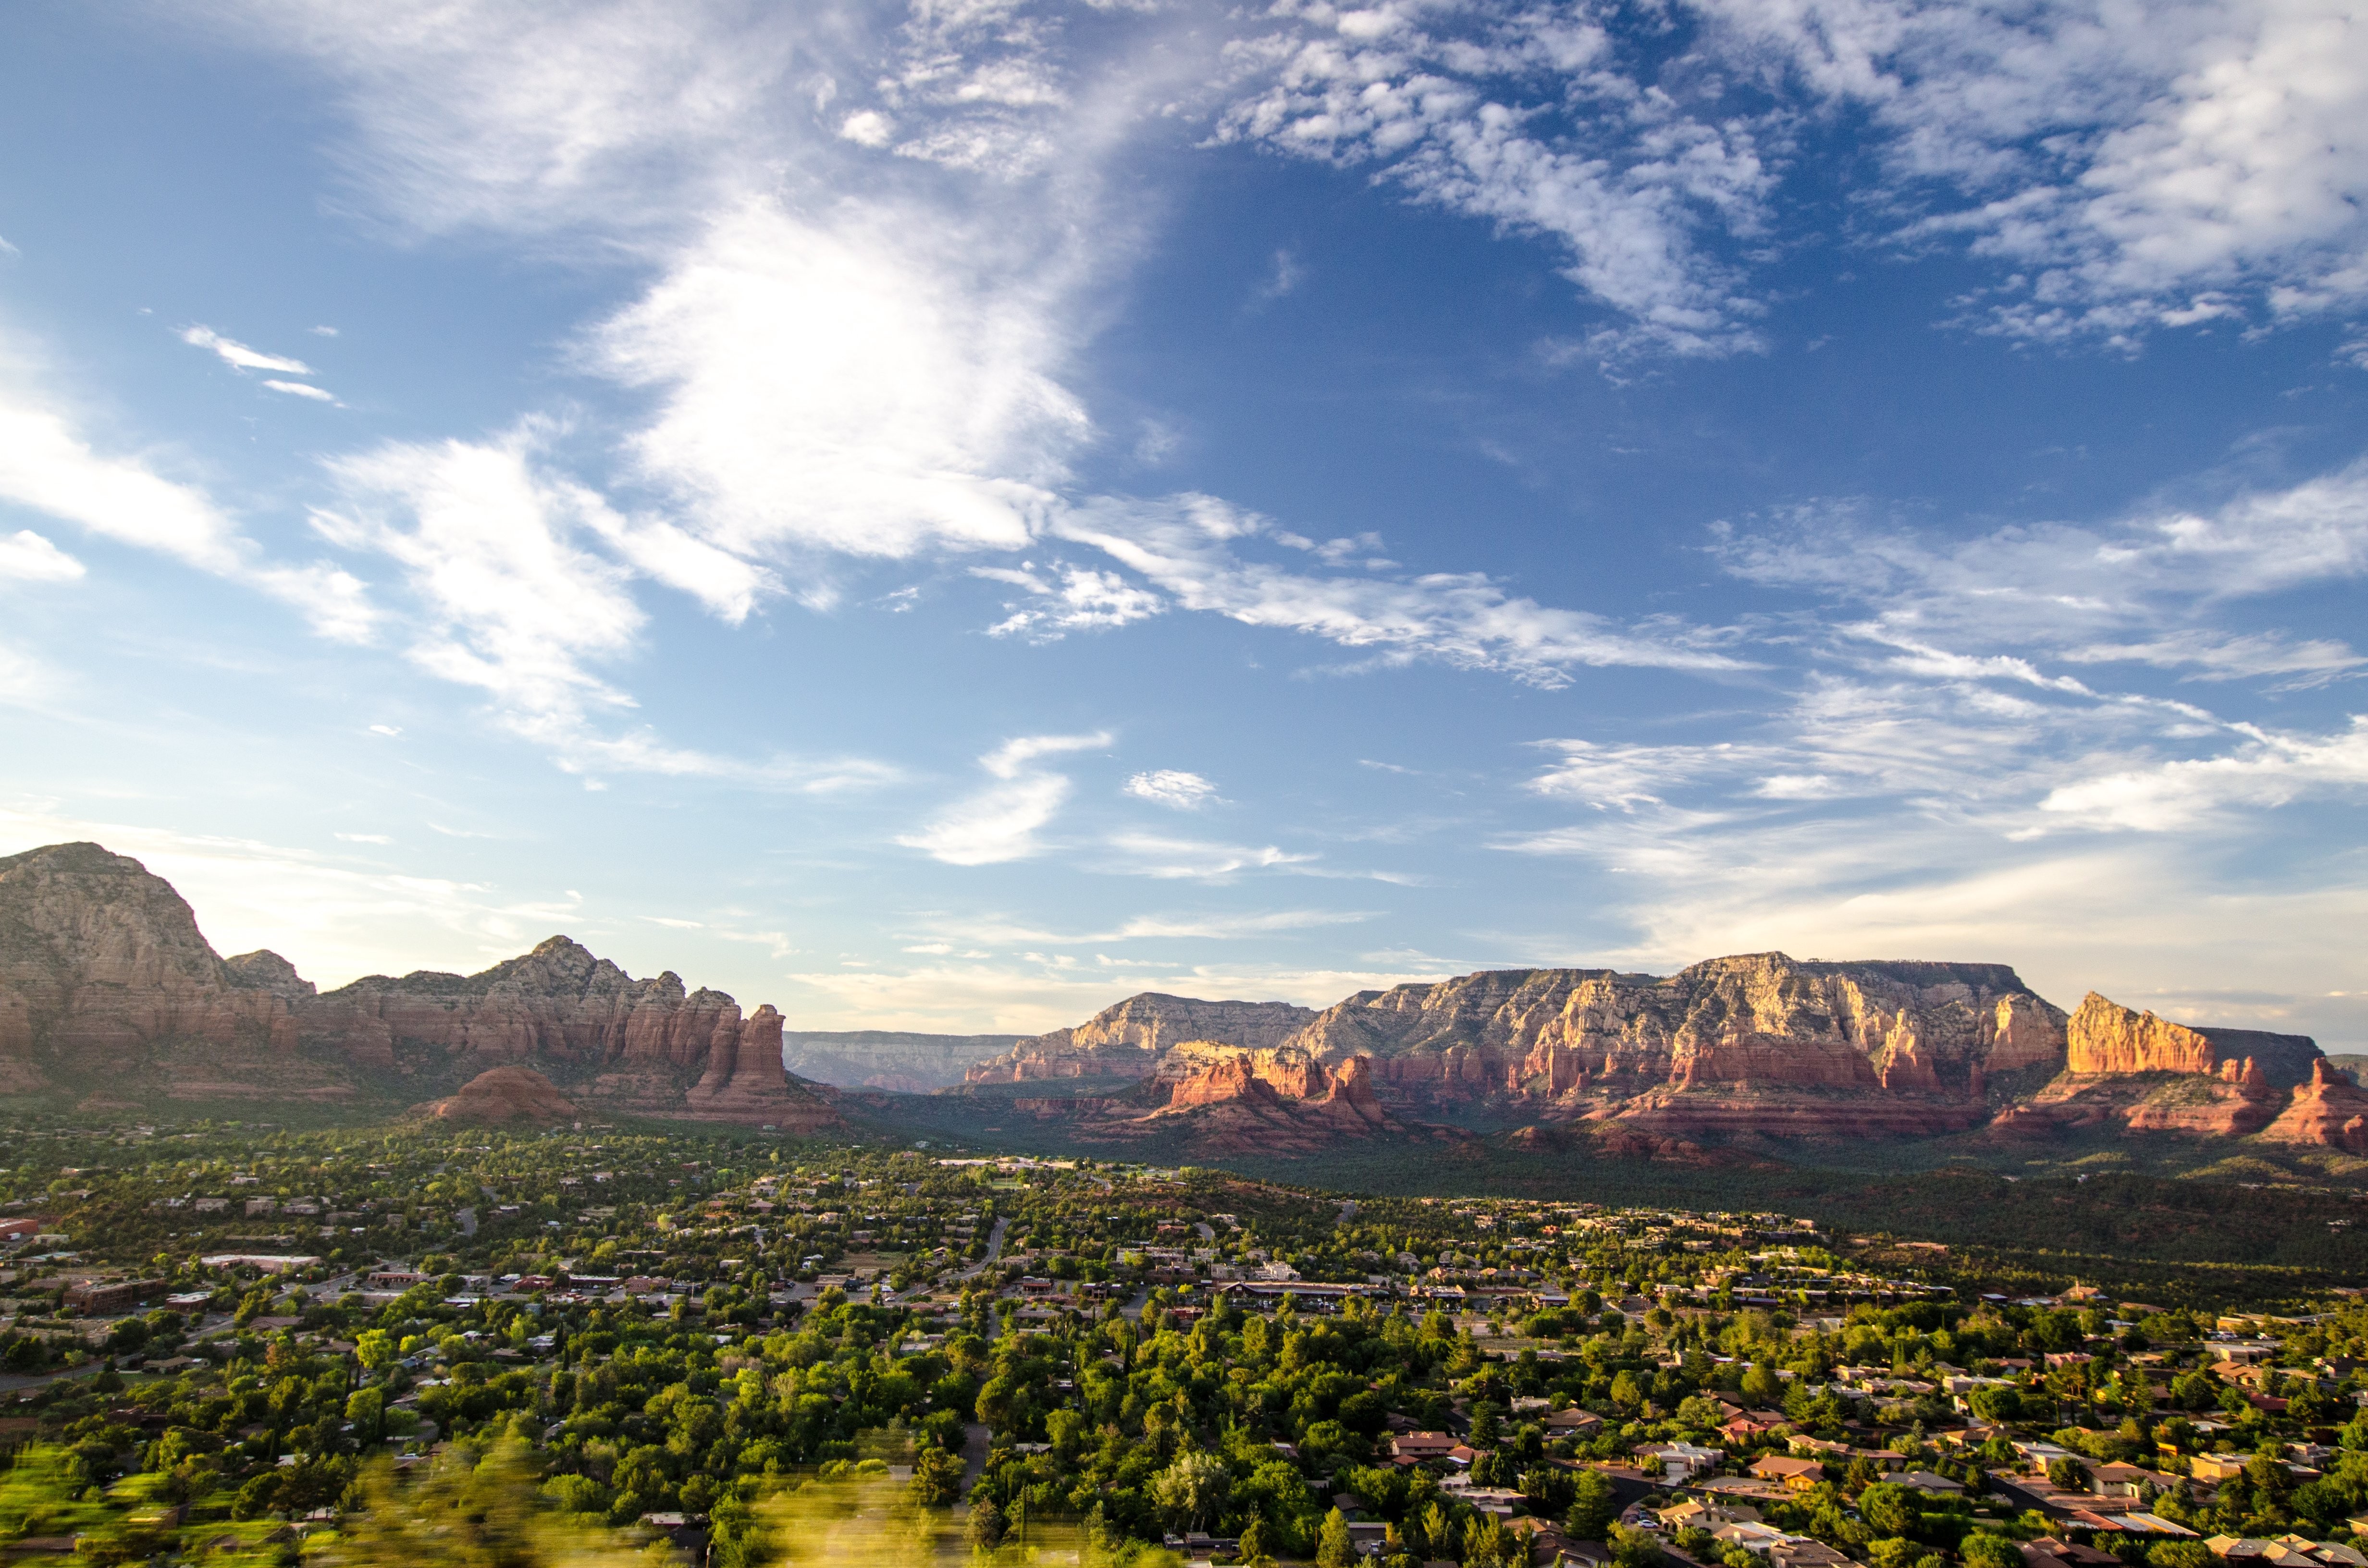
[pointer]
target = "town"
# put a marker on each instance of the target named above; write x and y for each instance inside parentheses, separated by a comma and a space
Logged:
(241, 1340)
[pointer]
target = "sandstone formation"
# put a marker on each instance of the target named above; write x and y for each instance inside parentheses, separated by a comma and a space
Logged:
(100, 961)
(648, 1046)
(501, 1095)
(1230, 1101)
(2137, 1072)
(2105, 1038)
(889, 1058)
(1128, 1039)
(1760, 1042)
(2329, 1111)
(745, 1081)
(106, 981)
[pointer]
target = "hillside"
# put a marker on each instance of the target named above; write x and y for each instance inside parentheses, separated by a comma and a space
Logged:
(109, 993)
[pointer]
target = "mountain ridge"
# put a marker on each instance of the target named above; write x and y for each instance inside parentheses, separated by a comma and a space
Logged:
(109, 988)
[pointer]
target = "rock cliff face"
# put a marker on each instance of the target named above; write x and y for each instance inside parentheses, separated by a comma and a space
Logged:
(1758, 1042)
(2329, 1111)
(502, 1094)
(99, 961)
(2105, 1037)
(1128, 1039)
(650, 1046)
(557, 1003)
(1231, 1101)
(2150, 1075)
(106, 980)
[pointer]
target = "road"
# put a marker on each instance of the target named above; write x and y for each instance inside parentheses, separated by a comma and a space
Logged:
(994, 1251)
(974, 1445)
(468, 1218)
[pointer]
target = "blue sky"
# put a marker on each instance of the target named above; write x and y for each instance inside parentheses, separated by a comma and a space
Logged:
(943, 517)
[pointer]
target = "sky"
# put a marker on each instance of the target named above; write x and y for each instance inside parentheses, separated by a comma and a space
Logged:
(944, 518)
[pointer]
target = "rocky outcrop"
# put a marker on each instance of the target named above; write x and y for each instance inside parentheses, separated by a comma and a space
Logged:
(100, 961)
(558, 1004)
(1229, 1101)
(500, 1095)
(745, 1082)
(106, 980)
(2330, 1111)
(2103, 1037)
(649, 1045)
(1127, 1040)
(889, 1058)
(1758, 1042)
(2130, 1070)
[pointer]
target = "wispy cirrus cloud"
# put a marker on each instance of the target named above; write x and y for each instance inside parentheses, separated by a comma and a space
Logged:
(27, 557)
(2088, 594)
(2129, 169)
(1173, 788)
(238, 355)
(49, 465)
(1000, 822)
(1195, 549)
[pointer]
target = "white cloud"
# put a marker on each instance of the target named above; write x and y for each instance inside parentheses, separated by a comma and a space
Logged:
(513, 602)
(2151, 586)
(2269, 771)
(322, 330)
(47, 465)
(364, 838)
(996, 826)
(1083, 600)
(622, 113)
(1011, 759)
(1189, 547)
(2149, 166)
(1532, 118)
(999, 823)
(512, 605)
(27, 557)
(239, 356)
(299, 389)
(873, 382)
(1155, 855)
(1173, 787)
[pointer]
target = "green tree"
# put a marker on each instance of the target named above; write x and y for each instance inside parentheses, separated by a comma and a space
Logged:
(1889, 1509)
(1333, 1547)
(937, 1478)
(986, 1523)
(1983, 1550)
(1192, 1488)
(1593, 1507)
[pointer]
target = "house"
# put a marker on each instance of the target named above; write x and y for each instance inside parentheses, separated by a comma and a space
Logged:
(2216, 1468)
(1799, 1552)
(1680, 1460)
(1573, 1423)
(1414, 1448)
(1795, 1474)
(1931, 1485)
(93, 1297)
(2048, 1551)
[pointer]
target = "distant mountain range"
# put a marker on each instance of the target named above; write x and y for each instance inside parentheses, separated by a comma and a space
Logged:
(110, 996)
(889, 1058)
